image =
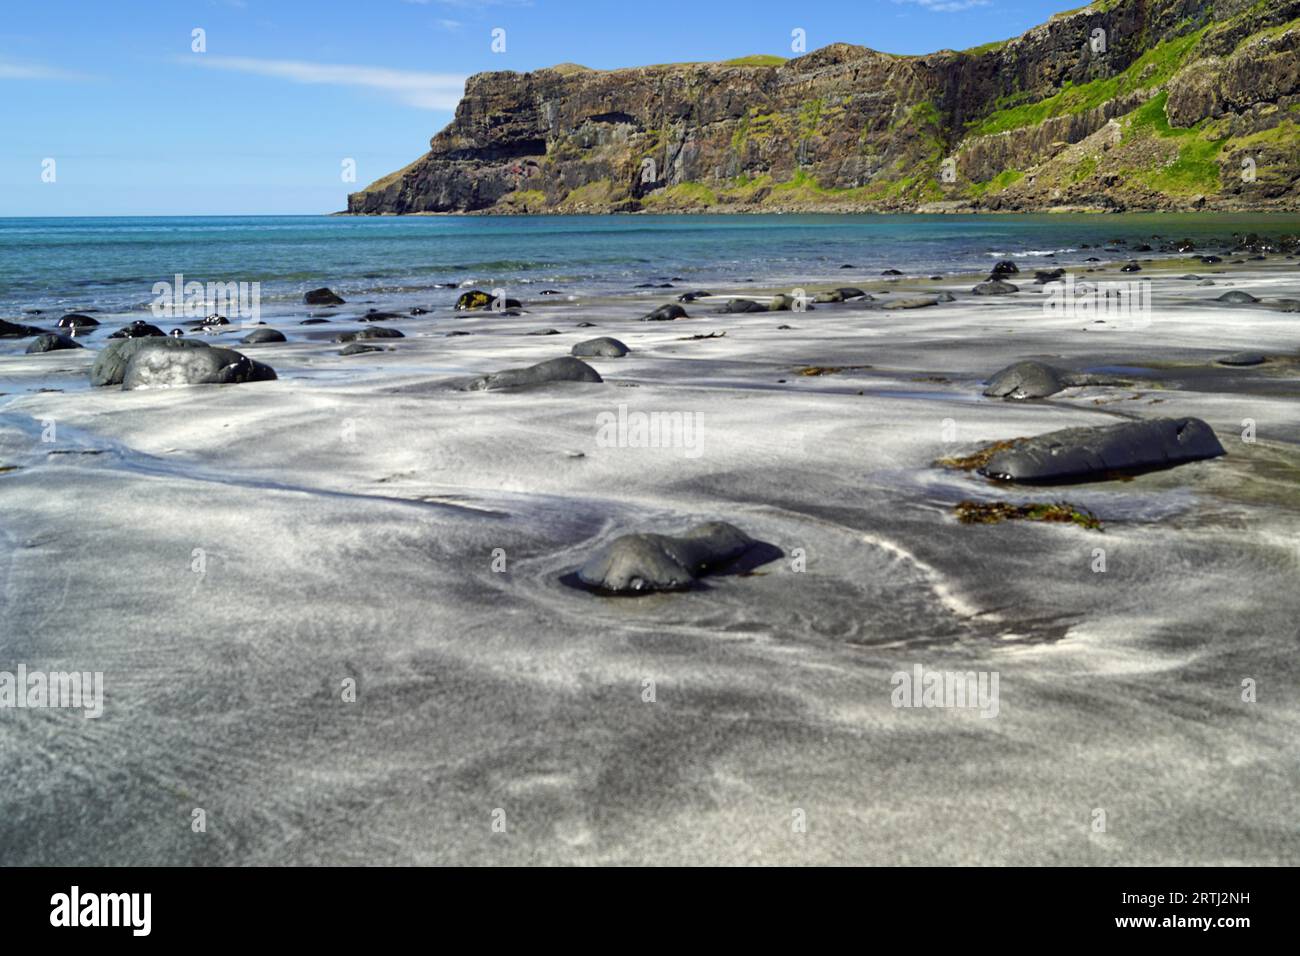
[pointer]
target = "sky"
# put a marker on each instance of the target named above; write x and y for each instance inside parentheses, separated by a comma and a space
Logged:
(241, 107)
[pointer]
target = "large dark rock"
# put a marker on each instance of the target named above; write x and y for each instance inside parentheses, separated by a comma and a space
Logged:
(741, 305)
(112, 360)
(50, 342)
(644, 563)
(566, 369)
(1004, 268)
(603, 347)
(1080, 454)
(75, 320)
(666, 313)
(1237, 297)
(913, 302)
(259, 336)
(139, 329)
(321, 296)
(153, 367)
(16, 330)
(370, 332)
(1039, 380)
(995, 287)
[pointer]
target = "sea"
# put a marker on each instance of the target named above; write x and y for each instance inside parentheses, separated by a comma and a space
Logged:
(112, 264)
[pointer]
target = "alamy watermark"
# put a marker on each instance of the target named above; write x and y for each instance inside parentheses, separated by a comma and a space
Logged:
(946, 689)
(629, 429)
(1125, 302)
(198, 300)
(42, 689)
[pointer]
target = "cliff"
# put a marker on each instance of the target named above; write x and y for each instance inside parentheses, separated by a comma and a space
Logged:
(1124, 104)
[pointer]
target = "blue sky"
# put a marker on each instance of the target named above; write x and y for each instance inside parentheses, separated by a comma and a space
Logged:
(138, 123)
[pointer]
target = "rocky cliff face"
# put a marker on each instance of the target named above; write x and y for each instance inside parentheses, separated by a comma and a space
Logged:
(1125, 104)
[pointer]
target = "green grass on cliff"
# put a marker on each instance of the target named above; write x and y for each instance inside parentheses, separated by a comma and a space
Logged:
(1195, 168)
(998, 183)
(1152, 68)
(758, 59)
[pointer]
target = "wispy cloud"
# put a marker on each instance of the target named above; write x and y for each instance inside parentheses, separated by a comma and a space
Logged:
(426, 91)
(946, 6)
(10, 70)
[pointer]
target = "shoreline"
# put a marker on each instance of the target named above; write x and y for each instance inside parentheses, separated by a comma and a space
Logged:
(348, 513)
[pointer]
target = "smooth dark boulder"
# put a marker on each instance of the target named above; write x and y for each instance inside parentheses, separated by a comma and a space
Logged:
(1241, 359)
(321, 296)
(153, 367)
(1131, 267)
(1081, 454)
(565, 369)
(139, 329)
(16, 330)
(316, 321)
(1025, 380)
(543, 332)
(666, 313)
(50, 342)
(370, 332)
(258, 336)
(75, 320)
(995, 287)
(1043, 276)
(374, 315)
(603, 347)
(740, 305)
(645, 563)
(891, 272)
(112, 360)
(1237, 297)
(915, 302)
(359, 348)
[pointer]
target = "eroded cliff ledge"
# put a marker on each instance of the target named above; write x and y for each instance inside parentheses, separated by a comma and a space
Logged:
(1125, 104)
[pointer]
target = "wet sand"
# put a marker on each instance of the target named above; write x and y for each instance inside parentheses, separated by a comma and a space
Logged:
(348, 515)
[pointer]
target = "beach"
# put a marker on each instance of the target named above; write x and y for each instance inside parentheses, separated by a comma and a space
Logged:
(334, 611)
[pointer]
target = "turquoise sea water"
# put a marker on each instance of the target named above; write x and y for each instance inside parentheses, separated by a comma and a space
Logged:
(112, 263)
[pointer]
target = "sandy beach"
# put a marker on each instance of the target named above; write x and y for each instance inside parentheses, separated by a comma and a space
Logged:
(231, 557)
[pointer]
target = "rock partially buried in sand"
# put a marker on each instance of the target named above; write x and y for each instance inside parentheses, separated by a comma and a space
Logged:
(321, 297)
(49, 342)
(566, 369)
(917, 302)
(603, 347)
(1078, 454)
(358, 348)
(1241, 359)
(1027, 380)
(1038, 380)
(666, 313)
(644, 563)
(258, 336)
(16, 330)
(112, 360)
(139, 329)
(1237, 297)
(167, 368)
(370, 332)
(740, 305)
(995, 287)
